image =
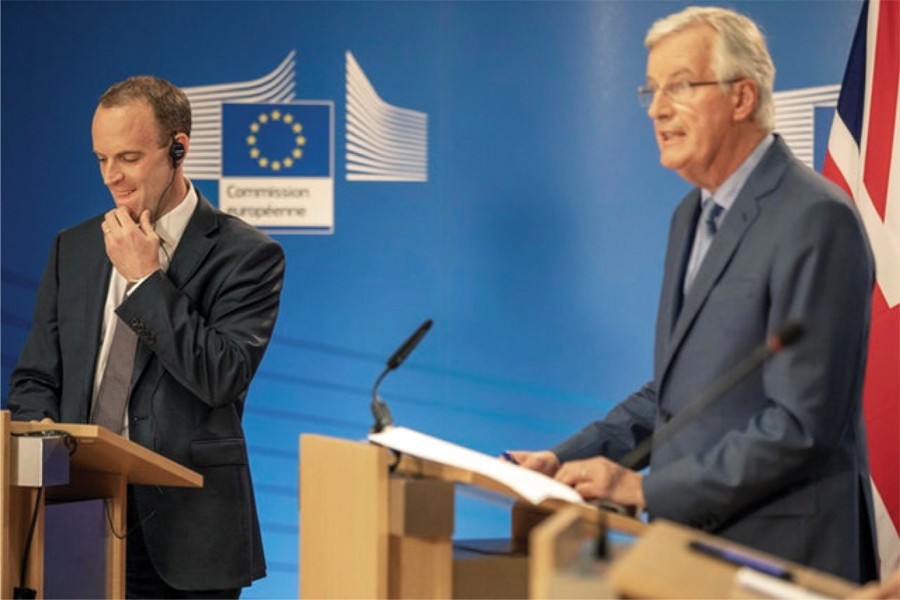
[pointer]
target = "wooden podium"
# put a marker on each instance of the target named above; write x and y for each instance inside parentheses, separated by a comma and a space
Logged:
(687, 573)
(101, 467)
(375, 527)
(662, 563)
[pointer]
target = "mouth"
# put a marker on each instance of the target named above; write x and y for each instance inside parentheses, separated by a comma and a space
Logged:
(669, 135)
(122, 195)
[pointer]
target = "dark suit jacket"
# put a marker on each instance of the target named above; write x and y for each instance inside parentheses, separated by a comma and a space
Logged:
(779, 463)
(203, 327)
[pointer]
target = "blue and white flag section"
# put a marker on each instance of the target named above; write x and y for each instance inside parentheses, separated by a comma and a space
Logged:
(277, 166)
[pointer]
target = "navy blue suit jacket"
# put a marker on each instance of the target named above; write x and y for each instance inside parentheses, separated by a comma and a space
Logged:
(203, 327)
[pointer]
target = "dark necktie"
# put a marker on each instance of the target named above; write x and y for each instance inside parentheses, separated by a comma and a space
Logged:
(709, 214)
(112, 397)
(712, 218)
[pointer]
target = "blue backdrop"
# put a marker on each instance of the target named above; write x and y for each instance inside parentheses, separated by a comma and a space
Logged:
(535, 242)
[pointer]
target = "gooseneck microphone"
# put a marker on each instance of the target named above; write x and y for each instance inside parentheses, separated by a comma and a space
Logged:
(787, 335)
(380, 410)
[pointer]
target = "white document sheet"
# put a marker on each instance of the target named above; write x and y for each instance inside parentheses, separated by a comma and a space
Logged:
(530, 485)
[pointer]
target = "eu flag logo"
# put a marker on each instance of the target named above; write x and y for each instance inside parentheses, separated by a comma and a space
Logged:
(276, 140)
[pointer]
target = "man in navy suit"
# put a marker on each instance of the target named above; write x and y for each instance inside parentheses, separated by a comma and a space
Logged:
(197, 291)
(779, 462)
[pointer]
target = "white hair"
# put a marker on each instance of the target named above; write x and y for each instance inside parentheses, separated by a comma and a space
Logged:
(739, 51)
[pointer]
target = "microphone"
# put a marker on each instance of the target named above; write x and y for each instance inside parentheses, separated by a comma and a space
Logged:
(380, 410)
(408, 346)
(789, 334)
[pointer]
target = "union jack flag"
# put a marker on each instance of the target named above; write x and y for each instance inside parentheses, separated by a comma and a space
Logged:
(864, 158)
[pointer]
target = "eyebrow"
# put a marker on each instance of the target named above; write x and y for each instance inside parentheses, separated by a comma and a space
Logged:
(678, 73)
(118, 154)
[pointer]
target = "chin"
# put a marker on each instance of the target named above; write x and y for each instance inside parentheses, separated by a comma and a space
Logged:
(669, 163)
(131, 210)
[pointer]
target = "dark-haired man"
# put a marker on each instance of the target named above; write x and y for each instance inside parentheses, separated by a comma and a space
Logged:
(151, 320)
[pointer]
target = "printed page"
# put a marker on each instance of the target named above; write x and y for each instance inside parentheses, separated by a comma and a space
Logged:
(530, 485)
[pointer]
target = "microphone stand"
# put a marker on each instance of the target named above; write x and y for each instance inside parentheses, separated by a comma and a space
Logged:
(380, 410)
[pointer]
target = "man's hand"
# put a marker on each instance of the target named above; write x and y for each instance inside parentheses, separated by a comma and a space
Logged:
(601, 479)
(543, 462)
(132, 247)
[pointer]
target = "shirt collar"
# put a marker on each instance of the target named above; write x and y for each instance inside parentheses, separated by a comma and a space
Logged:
(728, 191)
(170, 227)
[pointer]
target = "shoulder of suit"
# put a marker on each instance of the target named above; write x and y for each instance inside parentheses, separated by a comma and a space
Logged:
(230, 225)
(235, 226)
(85, 229)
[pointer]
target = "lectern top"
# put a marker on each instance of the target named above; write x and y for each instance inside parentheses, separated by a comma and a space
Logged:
(102, 451)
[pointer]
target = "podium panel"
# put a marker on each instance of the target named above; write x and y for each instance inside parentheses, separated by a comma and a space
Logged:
(376, 526)
(343, 519)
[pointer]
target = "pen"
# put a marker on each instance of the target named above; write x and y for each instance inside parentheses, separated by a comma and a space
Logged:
(507, 456)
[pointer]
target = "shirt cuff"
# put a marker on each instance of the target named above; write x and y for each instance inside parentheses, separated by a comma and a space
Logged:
(133, 285)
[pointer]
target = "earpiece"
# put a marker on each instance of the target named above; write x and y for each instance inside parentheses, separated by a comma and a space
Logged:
(176, 152)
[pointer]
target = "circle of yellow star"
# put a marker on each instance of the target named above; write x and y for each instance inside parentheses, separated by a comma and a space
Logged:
(275, 117)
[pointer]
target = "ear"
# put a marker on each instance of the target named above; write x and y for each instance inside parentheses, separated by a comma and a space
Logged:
(744, 97)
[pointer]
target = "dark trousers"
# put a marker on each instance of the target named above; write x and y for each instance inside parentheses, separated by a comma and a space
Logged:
(141, 578)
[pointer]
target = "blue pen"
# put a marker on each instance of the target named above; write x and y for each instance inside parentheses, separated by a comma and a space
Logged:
(507, 456)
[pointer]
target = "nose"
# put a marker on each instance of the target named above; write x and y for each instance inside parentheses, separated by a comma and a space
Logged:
(110, 172)
(659, 106)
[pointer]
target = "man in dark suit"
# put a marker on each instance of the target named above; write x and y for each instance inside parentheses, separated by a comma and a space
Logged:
(197, 293)
(779, 462)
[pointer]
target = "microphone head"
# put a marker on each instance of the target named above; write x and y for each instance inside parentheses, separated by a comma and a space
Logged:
(409, 345)
(789, 334)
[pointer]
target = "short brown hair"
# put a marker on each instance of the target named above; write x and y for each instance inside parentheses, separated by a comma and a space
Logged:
(169, 103)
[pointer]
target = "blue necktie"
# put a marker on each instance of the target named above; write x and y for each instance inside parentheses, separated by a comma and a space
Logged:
(705, 234)
(712, 218)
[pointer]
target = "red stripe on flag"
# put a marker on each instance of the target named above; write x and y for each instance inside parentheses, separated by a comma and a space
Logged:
(832, 172)
(881, 390)
(881, 408)
(883, 105)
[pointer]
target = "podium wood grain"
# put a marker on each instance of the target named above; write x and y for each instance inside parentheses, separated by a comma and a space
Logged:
(102, 466)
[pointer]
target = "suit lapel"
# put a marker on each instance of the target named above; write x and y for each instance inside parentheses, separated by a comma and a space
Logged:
(196, 243)
(96, 287)
(723, 247)
(683, 225)
(738, 221)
